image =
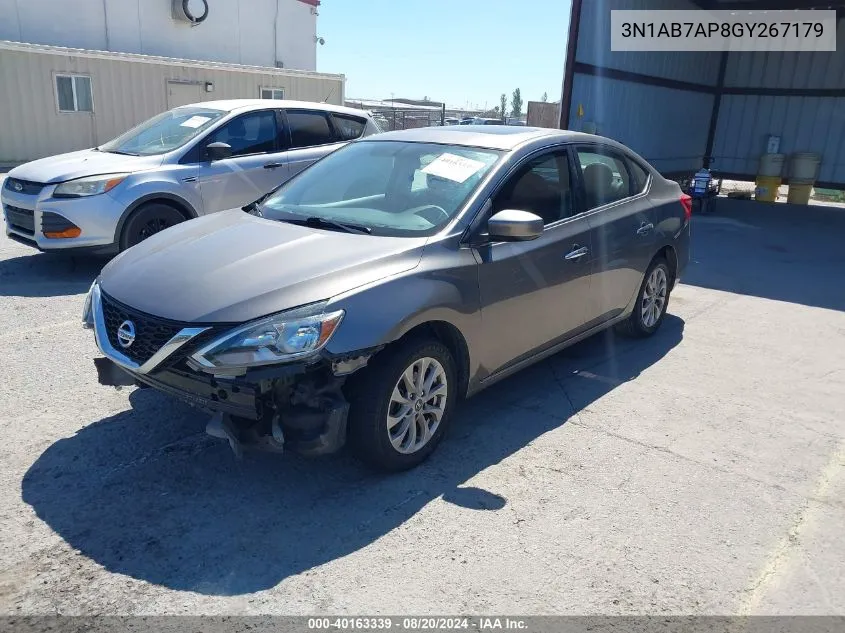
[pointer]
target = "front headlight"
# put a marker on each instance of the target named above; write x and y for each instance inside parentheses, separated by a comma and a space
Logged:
(90, 186)
(87, 308)
(275, 339)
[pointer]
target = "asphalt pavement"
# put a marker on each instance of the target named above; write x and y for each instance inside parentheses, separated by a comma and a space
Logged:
(701, 471)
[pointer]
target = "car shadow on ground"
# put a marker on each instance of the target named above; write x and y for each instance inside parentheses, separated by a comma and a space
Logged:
(48, 274)
(147, 494)
(776, 251)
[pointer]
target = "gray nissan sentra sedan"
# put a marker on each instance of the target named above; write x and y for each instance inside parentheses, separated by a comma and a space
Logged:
(364, 298)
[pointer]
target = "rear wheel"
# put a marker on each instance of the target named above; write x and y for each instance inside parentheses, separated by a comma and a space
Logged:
(652, 301)
(147, 220)
(400, 405)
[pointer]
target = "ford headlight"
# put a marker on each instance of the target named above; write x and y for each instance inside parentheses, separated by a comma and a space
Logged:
(88, 309)
(276, 339)
(90, 186)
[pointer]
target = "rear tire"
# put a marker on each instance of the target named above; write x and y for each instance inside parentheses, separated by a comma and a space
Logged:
(403, 397)
(652, 301)
(146, 220)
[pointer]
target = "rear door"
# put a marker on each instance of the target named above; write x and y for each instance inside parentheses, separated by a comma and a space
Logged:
(256, 166)
(312, 135)
(622, 223)
(535, 293)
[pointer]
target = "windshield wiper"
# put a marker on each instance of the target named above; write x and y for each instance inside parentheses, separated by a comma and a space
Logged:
(116, 151)
(323, 223)
(253, 209)
(334, 224)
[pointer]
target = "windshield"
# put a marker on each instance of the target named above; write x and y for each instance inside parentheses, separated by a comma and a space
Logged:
(389, 187)
(163, 133)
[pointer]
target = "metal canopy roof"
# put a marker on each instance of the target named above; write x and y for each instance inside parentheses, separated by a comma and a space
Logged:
(770, 5)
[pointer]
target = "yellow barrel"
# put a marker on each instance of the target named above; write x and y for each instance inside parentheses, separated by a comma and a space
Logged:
(804, 167)
(767, 188)
(799, 193)
(771, 165)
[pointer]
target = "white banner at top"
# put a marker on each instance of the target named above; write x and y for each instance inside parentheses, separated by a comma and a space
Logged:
(700, 30)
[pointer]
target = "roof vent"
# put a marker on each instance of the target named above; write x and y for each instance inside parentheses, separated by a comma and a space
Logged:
(191, 11)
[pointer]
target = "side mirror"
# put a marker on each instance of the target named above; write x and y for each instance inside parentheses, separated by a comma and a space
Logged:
(511, 225)
(218, 151)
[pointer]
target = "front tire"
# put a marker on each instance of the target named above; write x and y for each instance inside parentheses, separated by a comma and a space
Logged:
(652, 301)
(400, 405)
(147, 220)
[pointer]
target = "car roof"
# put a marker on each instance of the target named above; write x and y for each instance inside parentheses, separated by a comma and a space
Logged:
(503, 137)
(232, 105)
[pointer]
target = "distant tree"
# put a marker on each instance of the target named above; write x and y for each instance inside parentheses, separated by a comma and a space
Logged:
(426, 99)
(503, 100)
(545, 97)
(516, 103)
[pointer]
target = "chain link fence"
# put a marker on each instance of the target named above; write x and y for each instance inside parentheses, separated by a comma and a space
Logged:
(400, 116)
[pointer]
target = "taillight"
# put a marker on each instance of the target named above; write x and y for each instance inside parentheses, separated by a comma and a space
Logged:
(686, 202)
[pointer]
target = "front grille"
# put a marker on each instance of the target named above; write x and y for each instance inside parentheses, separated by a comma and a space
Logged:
(21, 219)
(26, 187)
(151, 333)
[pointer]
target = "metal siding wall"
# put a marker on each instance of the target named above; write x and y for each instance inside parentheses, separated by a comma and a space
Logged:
(788, 69)
(666, 127)
(125, 93)
(805, 124)
(236, 31)
(594, 45)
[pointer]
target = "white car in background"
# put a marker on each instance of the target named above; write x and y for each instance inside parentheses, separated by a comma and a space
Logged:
(183, 163)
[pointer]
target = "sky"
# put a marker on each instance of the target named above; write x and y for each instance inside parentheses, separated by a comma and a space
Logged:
(464, 52)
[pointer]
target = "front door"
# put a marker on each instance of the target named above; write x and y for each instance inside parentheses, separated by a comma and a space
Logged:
(257, 165)
(181, 93)
(621, 217)
(311, 137)
(535, 293)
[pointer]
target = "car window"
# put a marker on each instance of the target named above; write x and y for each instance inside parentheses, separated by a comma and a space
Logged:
(390, 187)
(639, 176)
(348, 127)
(541, 187)
(604, 175)
(252, 133)
(164, 132)
(308, 129)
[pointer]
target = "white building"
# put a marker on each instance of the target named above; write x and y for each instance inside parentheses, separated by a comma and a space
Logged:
(76, 73)
(275, 33)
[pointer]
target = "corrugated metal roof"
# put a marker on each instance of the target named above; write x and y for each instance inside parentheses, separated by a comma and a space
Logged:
(153, 59)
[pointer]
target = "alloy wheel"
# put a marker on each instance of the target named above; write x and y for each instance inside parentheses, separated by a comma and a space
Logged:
(417, 404)
(654, 297)
(155, 225)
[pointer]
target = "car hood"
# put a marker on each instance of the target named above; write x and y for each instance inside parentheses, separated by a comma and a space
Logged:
(86, 162)
(231, 267)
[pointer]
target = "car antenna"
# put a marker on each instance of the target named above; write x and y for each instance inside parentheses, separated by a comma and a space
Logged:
(331, 92)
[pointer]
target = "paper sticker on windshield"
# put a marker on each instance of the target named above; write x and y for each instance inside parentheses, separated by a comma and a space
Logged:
(196, 121)
(452, 167)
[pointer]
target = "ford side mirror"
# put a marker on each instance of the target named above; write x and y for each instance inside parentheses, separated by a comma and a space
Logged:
(511, 225)
(218, 151)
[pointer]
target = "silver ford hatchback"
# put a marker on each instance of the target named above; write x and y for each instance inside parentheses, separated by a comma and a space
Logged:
(183, 163)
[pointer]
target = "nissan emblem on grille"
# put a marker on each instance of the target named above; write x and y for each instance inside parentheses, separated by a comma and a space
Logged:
(18, 186)
(126, 334)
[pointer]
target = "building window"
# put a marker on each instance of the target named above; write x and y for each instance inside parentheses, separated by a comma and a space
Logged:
(74, 93)
(272, 93)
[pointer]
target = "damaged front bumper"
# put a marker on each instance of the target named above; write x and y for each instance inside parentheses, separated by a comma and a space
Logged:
(297, 405)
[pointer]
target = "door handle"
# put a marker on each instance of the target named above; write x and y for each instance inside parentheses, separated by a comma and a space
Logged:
(645, 228)
(273, 165)
(577, 253)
